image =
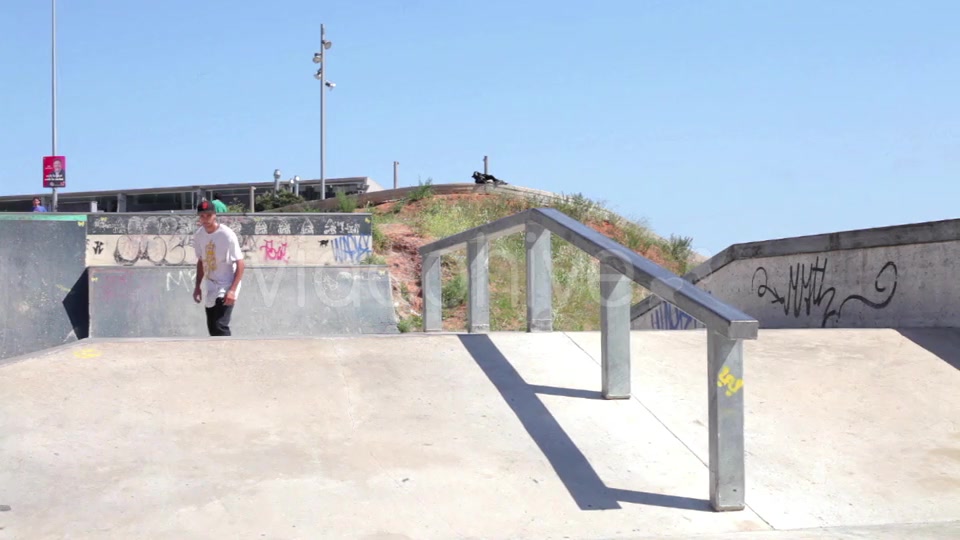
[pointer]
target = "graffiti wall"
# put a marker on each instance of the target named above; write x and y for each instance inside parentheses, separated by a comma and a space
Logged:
(270, 240)
(910, 285)
(669, 317)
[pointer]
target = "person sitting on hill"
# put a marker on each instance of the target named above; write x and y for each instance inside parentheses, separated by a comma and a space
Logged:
(482, 178)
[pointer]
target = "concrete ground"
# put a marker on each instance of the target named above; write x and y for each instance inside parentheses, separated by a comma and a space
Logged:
(850, 434)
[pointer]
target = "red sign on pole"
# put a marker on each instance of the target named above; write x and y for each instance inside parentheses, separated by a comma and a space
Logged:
(54, 171)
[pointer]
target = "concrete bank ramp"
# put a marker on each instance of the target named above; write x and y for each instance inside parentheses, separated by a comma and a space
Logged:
(850, 434)
(157, 302)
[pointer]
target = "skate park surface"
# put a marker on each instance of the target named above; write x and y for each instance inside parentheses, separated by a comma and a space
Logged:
(850, 433)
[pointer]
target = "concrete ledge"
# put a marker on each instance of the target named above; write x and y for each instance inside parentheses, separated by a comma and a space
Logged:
(895, 235)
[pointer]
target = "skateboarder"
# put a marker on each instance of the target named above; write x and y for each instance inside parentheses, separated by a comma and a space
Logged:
(220, 262)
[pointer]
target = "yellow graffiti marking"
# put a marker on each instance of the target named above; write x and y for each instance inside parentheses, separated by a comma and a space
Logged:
(87, 353)
(732, 383)
(94, 279)
(62, 288)
(80, 223)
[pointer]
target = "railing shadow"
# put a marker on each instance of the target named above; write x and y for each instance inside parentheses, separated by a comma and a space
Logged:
(571, 466)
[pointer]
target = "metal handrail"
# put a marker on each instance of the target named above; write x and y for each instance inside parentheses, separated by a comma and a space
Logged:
(716, 315)
(727, 326)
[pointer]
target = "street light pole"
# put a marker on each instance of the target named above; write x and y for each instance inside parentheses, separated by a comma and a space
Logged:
(53, 86)
(323, 127)
(320, 58)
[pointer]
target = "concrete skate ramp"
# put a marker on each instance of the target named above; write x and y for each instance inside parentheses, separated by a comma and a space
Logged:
(849, 434)
(890, 277)
(273, 301)
(42, 282)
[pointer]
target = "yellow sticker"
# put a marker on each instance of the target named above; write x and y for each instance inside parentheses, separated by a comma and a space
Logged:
(87, 353)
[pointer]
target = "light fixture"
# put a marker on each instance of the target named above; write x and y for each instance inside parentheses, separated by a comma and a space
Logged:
(319, 74)
(317, 58)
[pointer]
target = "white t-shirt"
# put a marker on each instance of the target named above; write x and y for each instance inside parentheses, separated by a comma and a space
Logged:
(219, 251)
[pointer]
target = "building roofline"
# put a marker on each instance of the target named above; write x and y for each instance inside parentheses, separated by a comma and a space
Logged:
(182, 189)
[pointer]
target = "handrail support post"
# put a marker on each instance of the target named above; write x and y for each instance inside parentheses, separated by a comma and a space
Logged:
(725, 405)
(539, 278)
(432, 292)
(615, 296)
(478, 300)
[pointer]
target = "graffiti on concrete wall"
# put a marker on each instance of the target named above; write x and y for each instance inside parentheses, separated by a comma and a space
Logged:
(667, 316)
(273, 225)
(181, 279)
(806, 292)
(170, 250)
(274, 253)
(351, 248)
(126, 240)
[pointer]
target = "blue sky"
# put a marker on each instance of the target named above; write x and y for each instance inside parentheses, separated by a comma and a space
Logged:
(727, 121)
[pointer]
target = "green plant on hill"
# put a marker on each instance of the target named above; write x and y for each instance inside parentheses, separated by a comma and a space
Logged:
(409, 324)
(576, 275)
(454, 291)
(374, 259)
(423, 191)
(636, 237)
(679, 248)
(271, 200)
(347, 203)
(576, 305)
(381, 242)
(236, 207)
(578, 207)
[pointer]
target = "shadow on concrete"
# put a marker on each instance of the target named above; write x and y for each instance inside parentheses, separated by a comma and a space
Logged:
(565, 392)
(943, 342)
(76, 304)
(571, 466)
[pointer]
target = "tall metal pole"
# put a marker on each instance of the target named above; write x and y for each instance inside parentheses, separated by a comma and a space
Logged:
(486, 165)
(53, 84)
(395, 175)
(323, 91)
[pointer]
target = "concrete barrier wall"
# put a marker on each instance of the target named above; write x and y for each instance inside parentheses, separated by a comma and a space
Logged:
(43, 287)
(151, 301)
(266, 240)
(893, 277)
(44, 259)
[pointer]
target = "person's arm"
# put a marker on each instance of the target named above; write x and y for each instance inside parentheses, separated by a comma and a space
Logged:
(232, 291)
(197, 294)
(236, 254)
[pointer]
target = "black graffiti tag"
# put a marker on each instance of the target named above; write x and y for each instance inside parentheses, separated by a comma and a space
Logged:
(805, 290)
(160, 251)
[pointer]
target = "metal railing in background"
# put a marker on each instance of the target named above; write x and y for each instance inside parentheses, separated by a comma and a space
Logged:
(727, 326)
